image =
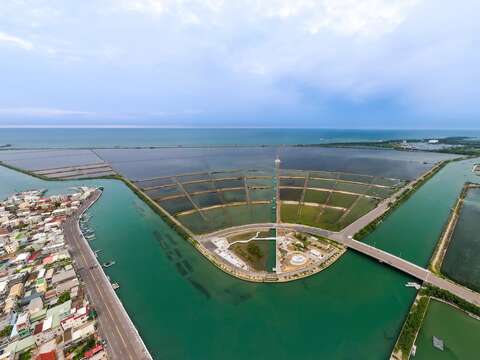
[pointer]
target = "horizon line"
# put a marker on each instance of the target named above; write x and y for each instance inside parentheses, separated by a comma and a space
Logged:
(211, 127)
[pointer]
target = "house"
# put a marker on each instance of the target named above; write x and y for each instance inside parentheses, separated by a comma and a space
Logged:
(11, 247)
(97, 353)
(23, 324)
(35, 305)
(75, 320)
(51, 355)
(63, 276)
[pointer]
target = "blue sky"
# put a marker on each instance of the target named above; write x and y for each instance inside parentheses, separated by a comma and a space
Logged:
(280, 63)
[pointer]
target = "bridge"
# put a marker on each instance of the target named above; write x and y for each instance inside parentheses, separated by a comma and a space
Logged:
(347, 240)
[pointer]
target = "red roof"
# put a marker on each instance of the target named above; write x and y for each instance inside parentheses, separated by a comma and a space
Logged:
(47, 356)
(33, 256)
(93, 351)
(38, 328)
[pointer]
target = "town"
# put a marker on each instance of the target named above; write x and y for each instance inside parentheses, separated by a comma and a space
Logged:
(45, 309)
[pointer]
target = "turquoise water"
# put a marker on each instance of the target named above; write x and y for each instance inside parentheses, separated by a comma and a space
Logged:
(458, 331)
(185, 308)
(413, 230)
(186, 137)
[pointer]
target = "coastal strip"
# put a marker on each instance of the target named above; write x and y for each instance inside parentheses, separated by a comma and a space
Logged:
(447, 233)
(123, 339)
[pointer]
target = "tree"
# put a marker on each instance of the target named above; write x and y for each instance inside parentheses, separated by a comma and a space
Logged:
(6, 331)
(64, 297)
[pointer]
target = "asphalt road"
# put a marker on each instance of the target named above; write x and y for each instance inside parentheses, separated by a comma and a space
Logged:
(123, 340)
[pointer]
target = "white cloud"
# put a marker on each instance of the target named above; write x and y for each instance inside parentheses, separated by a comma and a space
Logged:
(41, 112)
(15, 41)
(247, 54)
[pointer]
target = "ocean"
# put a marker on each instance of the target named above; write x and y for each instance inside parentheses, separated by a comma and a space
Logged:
(130, 137)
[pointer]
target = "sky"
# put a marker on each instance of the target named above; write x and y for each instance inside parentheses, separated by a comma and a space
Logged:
(240, 63)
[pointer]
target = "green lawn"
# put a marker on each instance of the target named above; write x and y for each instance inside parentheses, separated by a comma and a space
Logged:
(342, 200)
(289, 213)
(316, 196)
(308, 215)
(361, 207)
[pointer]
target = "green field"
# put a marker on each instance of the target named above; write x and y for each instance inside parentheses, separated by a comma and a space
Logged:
(340, 192)
(361, 207)
(289, 213)
(309, 214)
(329, 218)
(316, 196)
(352, 187)
(342, 200)
(256, 253)
(380, 192)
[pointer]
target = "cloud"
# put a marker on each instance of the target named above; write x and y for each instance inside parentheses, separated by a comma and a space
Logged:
(41, 112)
(15, 41)
(247, 59)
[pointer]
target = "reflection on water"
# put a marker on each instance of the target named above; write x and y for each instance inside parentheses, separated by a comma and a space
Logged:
(148, 163)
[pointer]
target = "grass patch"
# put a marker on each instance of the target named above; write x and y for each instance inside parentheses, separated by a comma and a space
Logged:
(328, 219)
(308, 215)
(352, 187)
(342, 200)
(320, 183)
(360, 208)
(316, 196)
(289, 213)
(411, 326)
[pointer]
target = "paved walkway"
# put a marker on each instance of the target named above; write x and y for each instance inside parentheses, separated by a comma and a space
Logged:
(123, 340)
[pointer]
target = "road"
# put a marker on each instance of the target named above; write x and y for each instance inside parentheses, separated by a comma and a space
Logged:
(123, 340)
(371, 251)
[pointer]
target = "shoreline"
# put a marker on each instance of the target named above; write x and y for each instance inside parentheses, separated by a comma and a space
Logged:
(124, 316)
(444, 241)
